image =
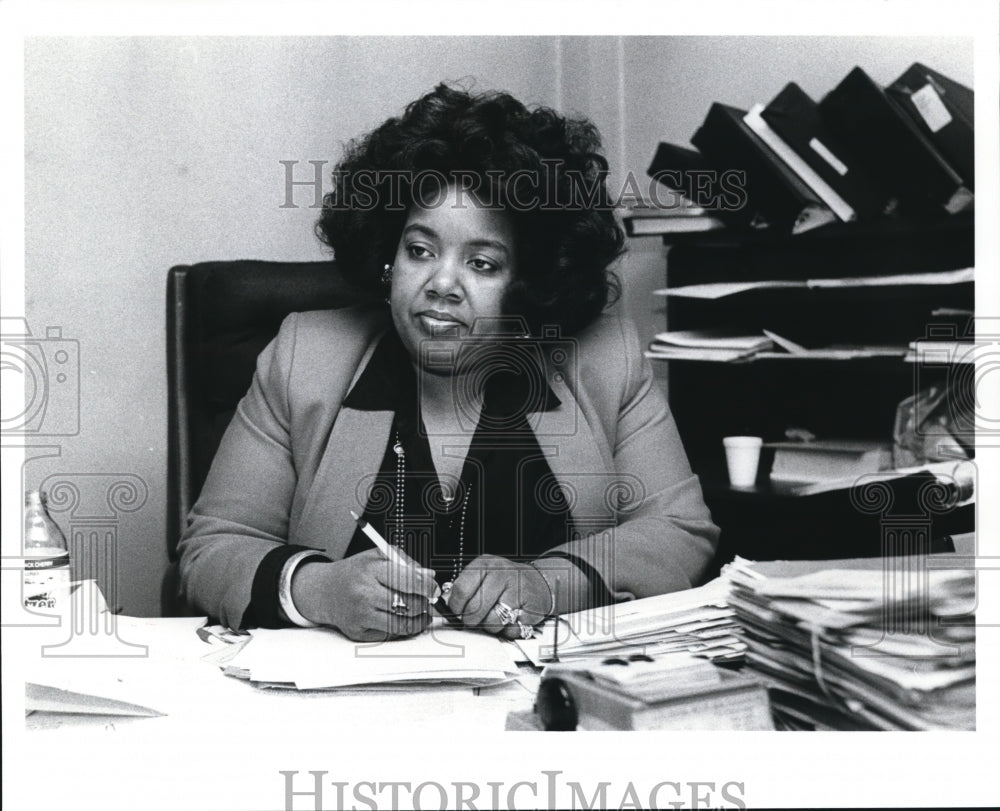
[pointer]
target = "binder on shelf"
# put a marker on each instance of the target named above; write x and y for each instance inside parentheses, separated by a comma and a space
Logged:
(891, 147)
(944, 111)
(805, 172)
(776, 197)
(796, 119)
(689, 178)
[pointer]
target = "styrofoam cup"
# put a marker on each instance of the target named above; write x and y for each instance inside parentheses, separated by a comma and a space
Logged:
(742, 458)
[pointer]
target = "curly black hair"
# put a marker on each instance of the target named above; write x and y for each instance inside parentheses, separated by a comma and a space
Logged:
(543, 168)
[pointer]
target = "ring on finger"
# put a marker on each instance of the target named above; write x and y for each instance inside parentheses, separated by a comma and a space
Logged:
(399, 605)
(507, 615)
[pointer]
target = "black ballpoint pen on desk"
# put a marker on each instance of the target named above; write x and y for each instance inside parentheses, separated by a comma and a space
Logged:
(390, 553)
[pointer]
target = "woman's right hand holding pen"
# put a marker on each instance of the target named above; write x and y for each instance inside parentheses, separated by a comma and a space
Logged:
(366, 597)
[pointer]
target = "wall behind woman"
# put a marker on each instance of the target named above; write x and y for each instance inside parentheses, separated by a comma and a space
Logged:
(143, 153)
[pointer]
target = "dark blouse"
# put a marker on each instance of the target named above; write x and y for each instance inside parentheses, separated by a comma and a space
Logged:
(510, 500)
(512, 503)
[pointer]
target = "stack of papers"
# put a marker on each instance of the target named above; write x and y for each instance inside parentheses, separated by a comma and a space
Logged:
(707, 344)
(695, 621)
(322, 659)
(883, 643)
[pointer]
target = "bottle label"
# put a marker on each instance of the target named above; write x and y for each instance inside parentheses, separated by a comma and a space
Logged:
(46, 581)
(46, 563)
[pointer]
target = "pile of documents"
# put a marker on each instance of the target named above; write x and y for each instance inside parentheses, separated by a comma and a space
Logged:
(695, 621)
(707, 344)
(322, 659)
(883, 643)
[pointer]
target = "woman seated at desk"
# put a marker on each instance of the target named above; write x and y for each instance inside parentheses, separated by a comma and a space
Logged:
(495, 420)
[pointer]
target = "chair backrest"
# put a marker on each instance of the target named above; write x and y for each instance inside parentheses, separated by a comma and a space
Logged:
(220, 315)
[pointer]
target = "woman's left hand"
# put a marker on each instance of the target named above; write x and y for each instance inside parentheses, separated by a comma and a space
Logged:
(500, 596)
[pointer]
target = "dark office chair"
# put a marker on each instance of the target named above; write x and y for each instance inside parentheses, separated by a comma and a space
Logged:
(220, 315)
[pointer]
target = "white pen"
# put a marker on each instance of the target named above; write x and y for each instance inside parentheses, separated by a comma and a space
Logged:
(389, 551)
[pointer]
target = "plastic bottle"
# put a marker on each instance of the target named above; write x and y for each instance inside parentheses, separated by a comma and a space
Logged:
(46, 564)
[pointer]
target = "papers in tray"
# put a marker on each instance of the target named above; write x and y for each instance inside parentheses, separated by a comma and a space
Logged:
(696, 620)
(888, 643)
(721, 345)
(716, 290)
(322, 659)
(713, 338)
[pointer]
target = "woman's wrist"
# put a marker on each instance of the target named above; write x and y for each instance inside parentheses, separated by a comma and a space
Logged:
(309, 595)
(551, 610)
(287, 608)
(568, 585)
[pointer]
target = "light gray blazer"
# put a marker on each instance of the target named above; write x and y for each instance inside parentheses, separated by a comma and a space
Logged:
(293, 461)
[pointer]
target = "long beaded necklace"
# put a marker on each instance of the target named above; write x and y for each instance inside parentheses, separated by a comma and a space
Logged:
(398, 531)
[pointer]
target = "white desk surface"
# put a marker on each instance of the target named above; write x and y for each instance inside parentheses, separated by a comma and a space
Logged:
(210, 719)
(223, 743)
(196, 697)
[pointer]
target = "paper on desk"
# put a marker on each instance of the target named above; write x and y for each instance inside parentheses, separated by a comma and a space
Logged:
(45, 698)
(696, 620)
(319, 658)
(867, 585)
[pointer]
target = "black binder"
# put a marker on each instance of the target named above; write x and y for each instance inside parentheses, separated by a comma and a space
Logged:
(687, 171)
(944, 111)
(891, 147)
(776, 193)
(795, 117)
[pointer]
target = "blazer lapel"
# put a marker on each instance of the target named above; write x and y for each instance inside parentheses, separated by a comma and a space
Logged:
(580, 461)
(582, 465)
(352, 458)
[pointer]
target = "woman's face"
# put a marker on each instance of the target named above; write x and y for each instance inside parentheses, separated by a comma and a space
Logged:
(453, 265)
